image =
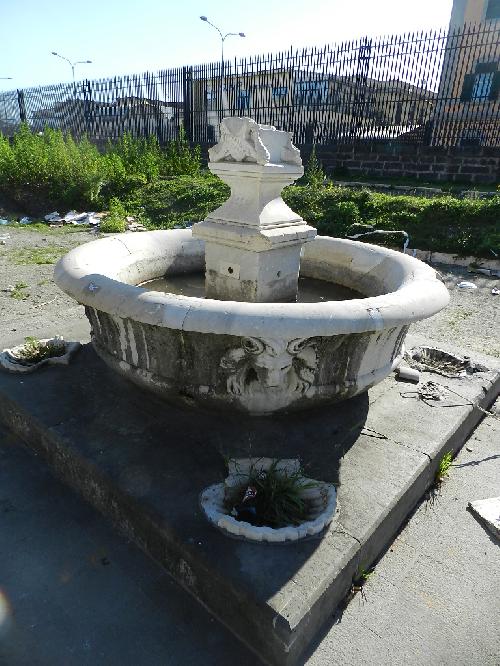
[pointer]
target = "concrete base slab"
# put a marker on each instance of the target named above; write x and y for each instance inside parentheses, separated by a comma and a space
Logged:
(143, 463)
(487, 511)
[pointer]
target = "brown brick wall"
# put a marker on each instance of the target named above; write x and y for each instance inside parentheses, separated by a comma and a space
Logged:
(465, 164)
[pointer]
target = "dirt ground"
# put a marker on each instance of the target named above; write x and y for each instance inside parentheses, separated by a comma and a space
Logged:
(31, 303)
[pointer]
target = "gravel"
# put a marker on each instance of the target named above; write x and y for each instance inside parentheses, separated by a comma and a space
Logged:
(471, 321)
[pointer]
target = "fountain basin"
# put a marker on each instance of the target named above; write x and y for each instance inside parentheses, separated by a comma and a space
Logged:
(255, 357)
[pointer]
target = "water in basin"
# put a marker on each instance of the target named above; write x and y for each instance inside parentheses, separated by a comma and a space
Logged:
(310, 290)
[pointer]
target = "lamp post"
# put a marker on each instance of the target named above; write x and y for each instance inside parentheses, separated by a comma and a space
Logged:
(72, 65)
(224, 101)
(222, 37)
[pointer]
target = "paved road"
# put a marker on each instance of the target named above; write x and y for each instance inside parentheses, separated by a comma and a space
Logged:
(75, 594)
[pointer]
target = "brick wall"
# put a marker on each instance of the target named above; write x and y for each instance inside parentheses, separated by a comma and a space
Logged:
(464, 164)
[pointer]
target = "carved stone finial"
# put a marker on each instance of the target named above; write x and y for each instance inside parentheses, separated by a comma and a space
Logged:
(244, 140)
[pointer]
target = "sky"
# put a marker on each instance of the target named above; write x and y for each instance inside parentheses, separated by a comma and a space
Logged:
(128, 36)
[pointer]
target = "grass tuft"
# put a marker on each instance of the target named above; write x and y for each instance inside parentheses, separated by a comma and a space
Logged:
(444, 467)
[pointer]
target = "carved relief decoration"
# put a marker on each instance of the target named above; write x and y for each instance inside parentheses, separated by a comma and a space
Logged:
(241, 140)
(263, 365)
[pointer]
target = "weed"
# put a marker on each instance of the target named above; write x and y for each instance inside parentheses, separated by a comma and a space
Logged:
(38, 255)
(270, 497)
(444, 467)
(49, 230)
(359, 581)
(314, 176)
(458, 316)
(18, 292)
(115, 221)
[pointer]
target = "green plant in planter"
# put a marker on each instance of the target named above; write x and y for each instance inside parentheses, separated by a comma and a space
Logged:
(34, 351)
(271, 498)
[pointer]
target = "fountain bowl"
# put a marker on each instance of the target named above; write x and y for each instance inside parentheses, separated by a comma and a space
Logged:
(258, 358)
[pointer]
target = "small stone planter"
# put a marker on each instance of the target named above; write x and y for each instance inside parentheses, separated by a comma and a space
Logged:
(322, 497)
(13, 361)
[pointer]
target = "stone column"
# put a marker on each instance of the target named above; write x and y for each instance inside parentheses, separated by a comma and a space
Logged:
(253, 241)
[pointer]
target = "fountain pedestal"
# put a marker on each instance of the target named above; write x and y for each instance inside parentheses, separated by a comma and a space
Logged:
(253, 241)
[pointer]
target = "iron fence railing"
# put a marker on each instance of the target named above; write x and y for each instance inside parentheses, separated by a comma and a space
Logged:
(436, 88)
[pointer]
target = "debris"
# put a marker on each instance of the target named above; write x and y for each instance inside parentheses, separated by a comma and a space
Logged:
(431, 359)
(4, 238)
(487, 511)
(25, 220)
(397, 234)
(466, 285)
(135, 226)
(53, 217)
(490, 272)
(408, 374)
(495, 291)
(72, 215)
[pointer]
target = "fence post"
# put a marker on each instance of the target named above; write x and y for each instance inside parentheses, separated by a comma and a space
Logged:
(187, 87)
(362, 69)
(22, 106)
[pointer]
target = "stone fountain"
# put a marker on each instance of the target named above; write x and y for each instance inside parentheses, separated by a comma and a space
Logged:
(248, 344)
(242, 315)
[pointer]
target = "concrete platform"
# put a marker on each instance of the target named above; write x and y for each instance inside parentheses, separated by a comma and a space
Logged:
(143, 463)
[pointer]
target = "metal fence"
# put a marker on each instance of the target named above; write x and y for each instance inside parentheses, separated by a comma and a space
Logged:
(436, 88)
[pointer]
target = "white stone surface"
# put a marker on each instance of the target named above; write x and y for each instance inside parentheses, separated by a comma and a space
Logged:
(243, 140)
(488, 512)
(115, 265)
(254, 229)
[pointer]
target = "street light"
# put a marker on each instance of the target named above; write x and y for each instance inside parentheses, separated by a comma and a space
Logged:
(72, 64)
(224, 100)
(222, 37)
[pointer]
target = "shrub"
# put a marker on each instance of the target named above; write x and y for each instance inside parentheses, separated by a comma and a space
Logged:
(177, 200)
(114, 222)
(314, 176)
(42, 171)
(444, 224)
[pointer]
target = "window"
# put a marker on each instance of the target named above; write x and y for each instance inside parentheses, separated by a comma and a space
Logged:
(483, 84)
(210, 99)
(280, 92)
(243, 100)
(311, 92)
(493, 9)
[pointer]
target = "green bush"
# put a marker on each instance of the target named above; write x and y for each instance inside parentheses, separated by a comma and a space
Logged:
(114, 222)
(444, 224)
(43, 171)
(314, 176)
(163, 187)
(177, 200)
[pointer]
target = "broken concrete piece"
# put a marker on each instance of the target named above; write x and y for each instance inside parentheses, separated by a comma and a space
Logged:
(408, 374)
(487, 511)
